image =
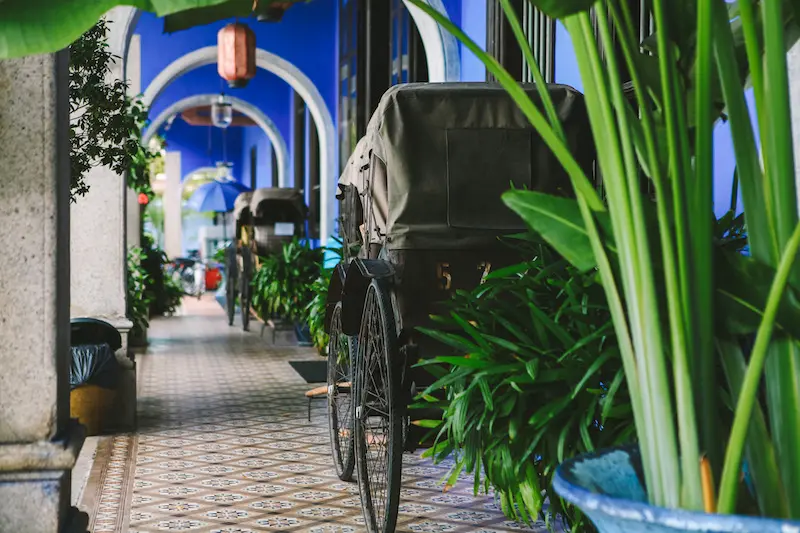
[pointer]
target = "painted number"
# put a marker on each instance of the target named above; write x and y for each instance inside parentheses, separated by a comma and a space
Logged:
(485, 268)
(444, 276)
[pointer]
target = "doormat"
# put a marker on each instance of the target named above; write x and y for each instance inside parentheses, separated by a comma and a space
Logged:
(312, 371)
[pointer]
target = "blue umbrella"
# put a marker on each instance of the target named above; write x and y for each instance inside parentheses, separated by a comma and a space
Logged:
(218, 196)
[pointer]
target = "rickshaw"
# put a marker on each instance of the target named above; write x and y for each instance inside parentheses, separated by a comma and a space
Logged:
(279, 215)
(421, 199)
(266, 219)
(239, 261)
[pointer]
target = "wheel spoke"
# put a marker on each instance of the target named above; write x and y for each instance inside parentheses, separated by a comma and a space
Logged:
(375, 419)
(340, 400)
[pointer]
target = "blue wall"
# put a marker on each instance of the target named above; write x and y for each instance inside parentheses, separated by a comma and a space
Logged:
(253, 137)
(266, 91)
(193, 143)
(305, 37)
(473, 22)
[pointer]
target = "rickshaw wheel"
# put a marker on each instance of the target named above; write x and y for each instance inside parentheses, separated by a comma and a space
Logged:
(247, 275)
(341, 350)
(232, 271)
(378, 413)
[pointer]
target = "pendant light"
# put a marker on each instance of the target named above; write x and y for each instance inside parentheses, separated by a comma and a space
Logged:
(236, 54)
(222, 112)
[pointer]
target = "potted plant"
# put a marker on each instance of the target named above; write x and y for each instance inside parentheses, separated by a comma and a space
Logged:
(707, 448)
(139, 298)
(316, 308)
(282, 285)
(526, 398)
(163, 291)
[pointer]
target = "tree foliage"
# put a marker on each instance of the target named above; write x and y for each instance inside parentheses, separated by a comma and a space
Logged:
(106, 125)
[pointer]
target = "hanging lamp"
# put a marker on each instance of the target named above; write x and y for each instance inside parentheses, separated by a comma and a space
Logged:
(236, 54)
(222, 112)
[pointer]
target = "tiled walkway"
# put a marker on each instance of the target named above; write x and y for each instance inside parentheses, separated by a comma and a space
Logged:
(224, 445)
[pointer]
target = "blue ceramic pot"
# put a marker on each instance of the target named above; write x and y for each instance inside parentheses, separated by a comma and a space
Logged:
(608, 487)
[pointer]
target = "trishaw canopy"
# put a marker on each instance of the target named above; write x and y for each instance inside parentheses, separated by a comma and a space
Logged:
(437, 158)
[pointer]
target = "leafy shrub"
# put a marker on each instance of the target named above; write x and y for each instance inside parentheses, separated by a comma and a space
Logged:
(138, 296)
(538, 380)
(282, 284)
(164, 292)
(105, 124)
(219, 255)
(316, 308)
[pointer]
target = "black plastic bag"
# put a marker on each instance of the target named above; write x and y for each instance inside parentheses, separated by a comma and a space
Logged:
(94, 364)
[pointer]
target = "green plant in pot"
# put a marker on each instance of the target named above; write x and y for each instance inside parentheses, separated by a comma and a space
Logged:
(317, 307)
(282, 284)
(164, 292)
(526, 398)
(139, 298)
(678, 304)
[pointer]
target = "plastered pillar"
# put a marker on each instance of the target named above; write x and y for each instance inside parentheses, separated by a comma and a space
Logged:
(38, 443)
(173, 233)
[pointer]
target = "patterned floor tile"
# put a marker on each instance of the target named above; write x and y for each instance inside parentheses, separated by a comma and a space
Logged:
(224, 446)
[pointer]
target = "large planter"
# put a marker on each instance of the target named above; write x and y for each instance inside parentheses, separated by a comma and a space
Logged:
(608, 488)
(90, 404)
(137, 337)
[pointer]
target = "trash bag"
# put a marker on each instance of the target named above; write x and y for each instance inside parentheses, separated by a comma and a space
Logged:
(94, 364)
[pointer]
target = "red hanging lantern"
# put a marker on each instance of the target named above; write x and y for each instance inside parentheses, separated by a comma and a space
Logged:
(143, 199)
(236, 54)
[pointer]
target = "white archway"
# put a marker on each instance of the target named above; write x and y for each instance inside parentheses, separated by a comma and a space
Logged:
(121, 22)
(441, 48)
(304, 87)
(253, 112)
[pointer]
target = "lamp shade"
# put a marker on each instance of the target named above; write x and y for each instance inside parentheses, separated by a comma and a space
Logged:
(236, 54)
(222, 112)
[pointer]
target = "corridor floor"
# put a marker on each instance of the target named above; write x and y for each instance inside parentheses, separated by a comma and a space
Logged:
(224, 445)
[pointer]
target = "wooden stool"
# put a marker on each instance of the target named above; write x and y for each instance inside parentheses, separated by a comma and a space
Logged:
(322, 392)
(313, 394)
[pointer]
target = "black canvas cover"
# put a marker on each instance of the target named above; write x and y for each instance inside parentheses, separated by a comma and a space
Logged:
(440, 155)
(271, 199)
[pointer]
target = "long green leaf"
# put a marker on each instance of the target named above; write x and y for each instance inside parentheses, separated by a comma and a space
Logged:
(46, 26)
(783, 398)
(760, 452)
(730, 474)
(559, 221)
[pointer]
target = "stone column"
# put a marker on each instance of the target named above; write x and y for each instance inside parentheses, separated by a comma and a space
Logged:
(38, 443)
(98, 247)
(134, 216)
(98, 251)
(173, 236)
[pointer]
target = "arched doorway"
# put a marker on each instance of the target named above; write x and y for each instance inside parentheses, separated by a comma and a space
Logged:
(302, 85)
(248, 109)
